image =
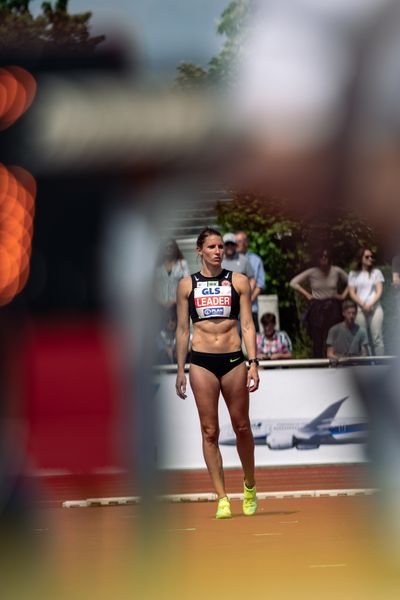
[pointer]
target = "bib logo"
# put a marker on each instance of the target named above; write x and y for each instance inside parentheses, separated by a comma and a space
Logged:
(214, 312)
(213, 301)
(225, 282)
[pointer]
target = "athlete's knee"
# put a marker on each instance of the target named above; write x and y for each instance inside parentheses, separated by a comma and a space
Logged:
(210, 433)
(241, 428)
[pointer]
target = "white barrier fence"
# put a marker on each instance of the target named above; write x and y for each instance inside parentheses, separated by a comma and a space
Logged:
(299, 416)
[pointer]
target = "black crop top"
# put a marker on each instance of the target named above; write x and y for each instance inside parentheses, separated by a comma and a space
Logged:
(213, 297)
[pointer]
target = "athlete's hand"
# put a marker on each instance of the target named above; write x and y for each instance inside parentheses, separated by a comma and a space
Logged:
(253, 378)
(180, 385)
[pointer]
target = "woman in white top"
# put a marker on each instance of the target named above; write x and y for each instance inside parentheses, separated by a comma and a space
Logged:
(324, 294)
(171, 268)
(366, 286)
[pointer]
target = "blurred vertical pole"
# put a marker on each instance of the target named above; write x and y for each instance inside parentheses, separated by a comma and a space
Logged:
(130, 261)
(132, 239)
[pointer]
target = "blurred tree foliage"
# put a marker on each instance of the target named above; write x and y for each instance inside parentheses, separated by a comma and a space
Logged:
(287, 247)
(52, 30)
(221, 68)
(285, 244)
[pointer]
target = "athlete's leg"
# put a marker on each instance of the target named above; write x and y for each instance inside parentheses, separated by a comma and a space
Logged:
(206, 390)
(236, 395)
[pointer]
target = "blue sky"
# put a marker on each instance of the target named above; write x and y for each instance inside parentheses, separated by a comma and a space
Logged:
(165, 31)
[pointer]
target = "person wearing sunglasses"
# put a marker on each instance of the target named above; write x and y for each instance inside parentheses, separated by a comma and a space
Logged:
(365, 288)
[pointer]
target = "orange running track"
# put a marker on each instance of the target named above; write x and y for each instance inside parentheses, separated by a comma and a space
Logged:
(301, 548)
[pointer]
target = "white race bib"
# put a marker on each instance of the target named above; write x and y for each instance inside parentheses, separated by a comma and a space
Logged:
(213, 301)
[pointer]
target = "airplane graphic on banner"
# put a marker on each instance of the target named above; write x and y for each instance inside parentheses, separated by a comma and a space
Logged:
(304, 434)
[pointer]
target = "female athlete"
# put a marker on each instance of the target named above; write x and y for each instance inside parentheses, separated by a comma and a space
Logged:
(213, 298)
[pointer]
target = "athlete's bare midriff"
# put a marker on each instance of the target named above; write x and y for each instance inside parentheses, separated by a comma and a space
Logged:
(216, 336)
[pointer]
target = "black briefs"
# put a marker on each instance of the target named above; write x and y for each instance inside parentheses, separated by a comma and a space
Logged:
(219, 364)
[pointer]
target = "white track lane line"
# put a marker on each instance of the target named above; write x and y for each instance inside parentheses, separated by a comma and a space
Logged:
(211, 497)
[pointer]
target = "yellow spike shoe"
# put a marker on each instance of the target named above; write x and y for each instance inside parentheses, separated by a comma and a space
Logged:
(249, 500)
(223, 509)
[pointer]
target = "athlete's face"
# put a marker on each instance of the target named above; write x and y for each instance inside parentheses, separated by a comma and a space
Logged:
(212, 251)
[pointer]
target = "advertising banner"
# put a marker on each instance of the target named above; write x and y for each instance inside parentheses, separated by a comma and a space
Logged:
(298, 417)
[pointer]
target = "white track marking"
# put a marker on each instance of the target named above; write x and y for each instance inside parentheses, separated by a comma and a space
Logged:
(328, 566)
(211, 497)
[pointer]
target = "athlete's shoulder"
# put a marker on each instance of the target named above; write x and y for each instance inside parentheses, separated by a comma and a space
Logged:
(185, 284)
(240, 281)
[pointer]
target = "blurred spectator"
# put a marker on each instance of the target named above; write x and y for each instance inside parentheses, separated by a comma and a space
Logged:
(171, 268)
(233, 261)
(324, 300)
(272, 344)
(166, 342)
(396, 272)
(366, 286)
(347, 338)
(256, 263)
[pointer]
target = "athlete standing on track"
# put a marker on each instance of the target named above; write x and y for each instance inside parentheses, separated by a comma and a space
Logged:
(213, 298)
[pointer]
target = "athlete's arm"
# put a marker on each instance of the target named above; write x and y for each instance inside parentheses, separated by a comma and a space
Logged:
(182, 333)
(241, 284)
